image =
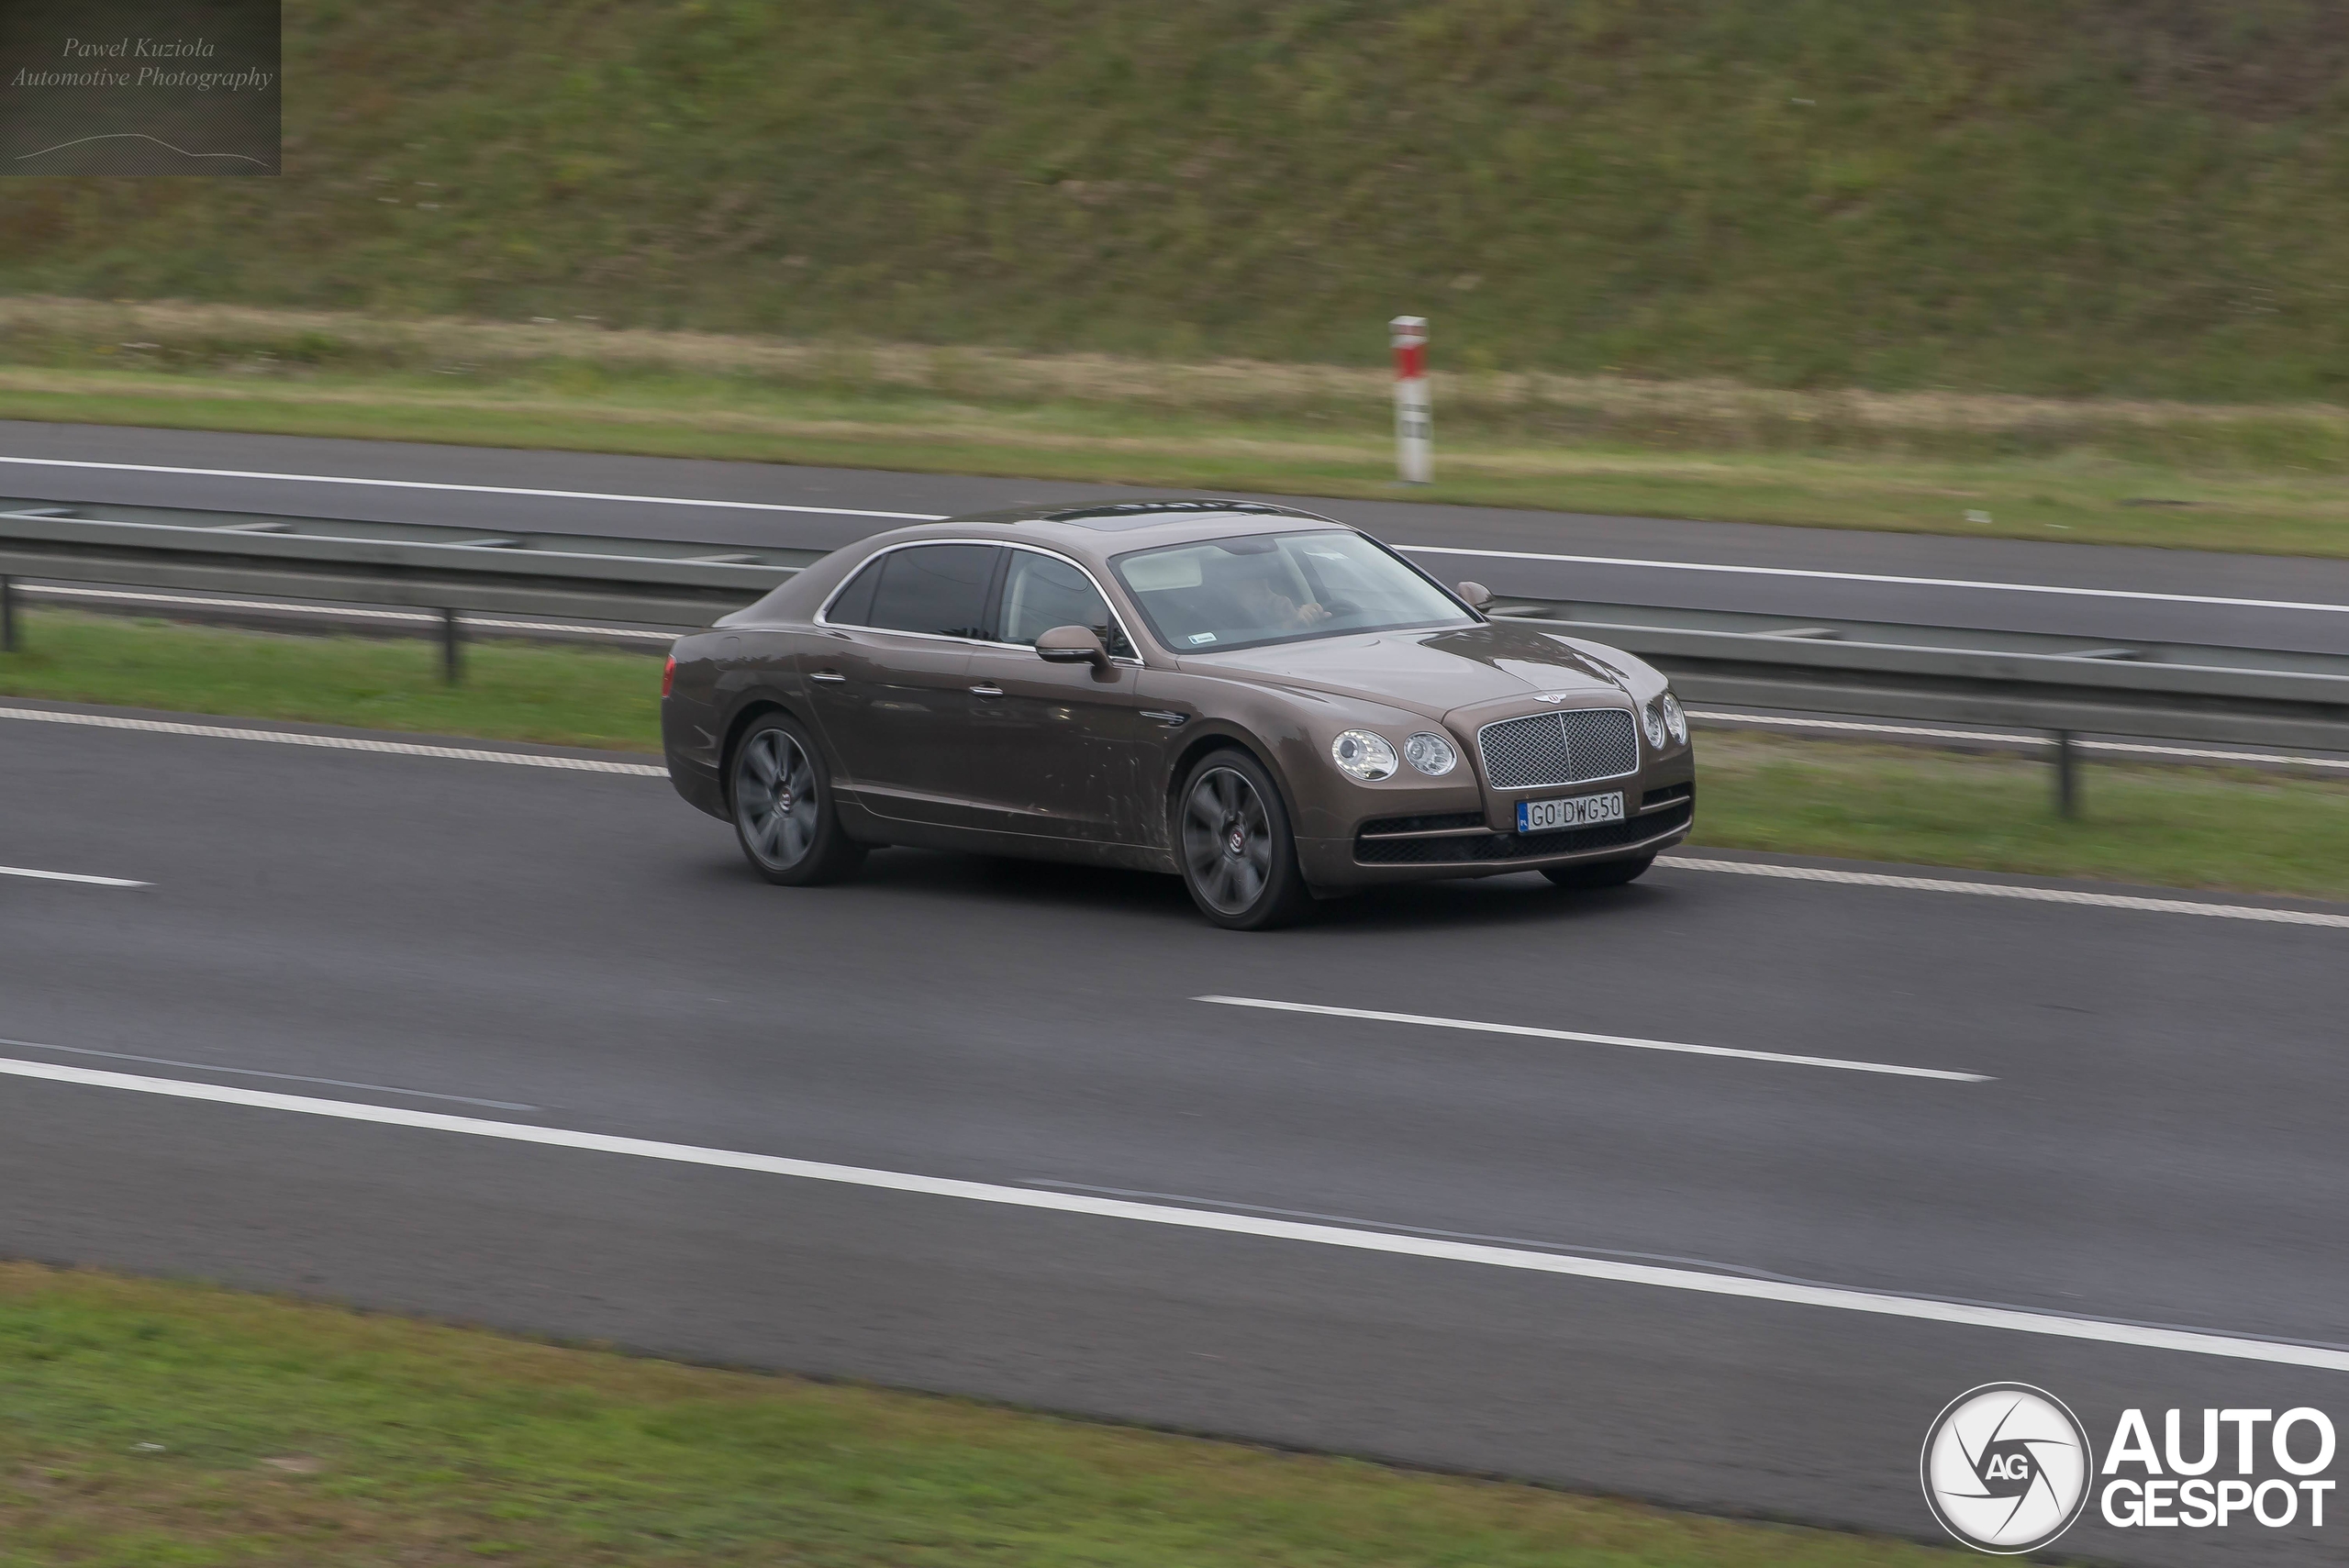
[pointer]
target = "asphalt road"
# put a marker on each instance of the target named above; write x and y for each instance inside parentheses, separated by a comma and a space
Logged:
(2153, 1138)
(2127, 595)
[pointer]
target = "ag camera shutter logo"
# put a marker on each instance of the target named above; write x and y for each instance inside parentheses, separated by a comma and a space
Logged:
(2007, 1468)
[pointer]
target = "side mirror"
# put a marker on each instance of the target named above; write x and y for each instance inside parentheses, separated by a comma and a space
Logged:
(1477, 593)
(1073, 645)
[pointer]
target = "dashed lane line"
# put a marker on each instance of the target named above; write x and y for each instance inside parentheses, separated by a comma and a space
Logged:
(1578, 1037)
(70, 876)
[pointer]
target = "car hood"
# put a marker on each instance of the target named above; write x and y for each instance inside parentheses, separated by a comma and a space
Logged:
(1431, 673)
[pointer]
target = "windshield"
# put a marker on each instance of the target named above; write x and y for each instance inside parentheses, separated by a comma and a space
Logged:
(1240, 592)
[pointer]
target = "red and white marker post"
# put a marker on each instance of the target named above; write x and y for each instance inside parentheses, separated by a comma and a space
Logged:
(1414, 413)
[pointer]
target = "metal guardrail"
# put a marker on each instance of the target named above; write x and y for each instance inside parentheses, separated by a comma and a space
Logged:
(2063, 685)
(416, 565)
(2170, 691)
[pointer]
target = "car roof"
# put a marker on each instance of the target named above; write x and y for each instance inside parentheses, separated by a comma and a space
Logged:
(1104, 527)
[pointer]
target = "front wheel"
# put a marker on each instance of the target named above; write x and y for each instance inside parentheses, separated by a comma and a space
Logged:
(1600, 873)
(1238, 856)
(783, 807)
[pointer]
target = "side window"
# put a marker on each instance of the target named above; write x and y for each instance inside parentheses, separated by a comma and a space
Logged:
(936, 588)
(1041, 593)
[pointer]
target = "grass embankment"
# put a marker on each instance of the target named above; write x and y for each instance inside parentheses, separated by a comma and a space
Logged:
(2206, 827)
(2171, 826)
(511, 691)
(149, 1424)
(2216, 477)
(2051, 197)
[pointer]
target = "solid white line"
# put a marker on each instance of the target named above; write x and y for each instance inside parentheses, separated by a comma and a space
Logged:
(1576, 1035)
(344, 611)
(2125, 747)
(2003, 890)
(1876, 577)
(1958, 1314)
(257, 1073)
(940, 516)
(70, 876)
(337, 742)
(471, 489)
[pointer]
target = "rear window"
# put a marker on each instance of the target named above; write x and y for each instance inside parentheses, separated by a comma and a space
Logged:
(940, 589)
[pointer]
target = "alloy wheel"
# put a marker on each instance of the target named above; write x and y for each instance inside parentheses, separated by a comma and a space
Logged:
(775, 795)
(1227, 840)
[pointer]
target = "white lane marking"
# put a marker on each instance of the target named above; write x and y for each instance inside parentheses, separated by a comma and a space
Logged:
(2127, 748)
(1877, 578)
(941, 516)
(2190, 1342)
(257, 1073)
(1477, 1027)
(70, 876)
(50, 591)
(2003, 890)
(471, 489)
(337, 742)
(1681, 863)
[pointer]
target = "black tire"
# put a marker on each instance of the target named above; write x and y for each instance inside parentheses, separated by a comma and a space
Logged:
(1600, 873)
(781, 800)
(1233, 842)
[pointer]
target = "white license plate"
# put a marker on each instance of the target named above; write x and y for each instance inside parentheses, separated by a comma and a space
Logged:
(1548, 816)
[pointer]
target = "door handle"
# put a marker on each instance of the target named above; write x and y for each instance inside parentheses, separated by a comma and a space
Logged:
(826, 676)
(986, 689)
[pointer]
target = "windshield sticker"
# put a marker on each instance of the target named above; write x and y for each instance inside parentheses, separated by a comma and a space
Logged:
(1202, 637)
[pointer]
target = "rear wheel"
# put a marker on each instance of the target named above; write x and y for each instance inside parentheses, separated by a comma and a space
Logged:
(1600, 873)
(783, 807)
(1238, 856)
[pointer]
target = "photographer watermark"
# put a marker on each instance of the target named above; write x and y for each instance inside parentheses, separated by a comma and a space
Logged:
(2007, 1468)
(138, 87)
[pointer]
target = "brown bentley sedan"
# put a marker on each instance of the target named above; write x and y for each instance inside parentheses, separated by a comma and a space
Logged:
(1270, 705)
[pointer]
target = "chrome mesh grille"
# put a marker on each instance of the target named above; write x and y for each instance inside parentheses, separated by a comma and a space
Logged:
(1572, 747)
(1601, 741)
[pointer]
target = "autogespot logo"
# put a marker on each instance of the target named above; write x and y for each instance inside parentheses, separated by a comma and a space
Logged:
(2007, 1468)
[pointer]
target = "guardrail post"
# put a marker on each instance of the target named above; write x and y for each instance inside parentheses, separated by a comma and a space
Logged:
(2067, 774)
(453, 642)
(8, 614)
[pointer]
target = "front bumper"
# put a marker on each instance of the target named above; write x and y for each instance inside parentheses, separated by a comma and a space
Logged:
(1463, 844)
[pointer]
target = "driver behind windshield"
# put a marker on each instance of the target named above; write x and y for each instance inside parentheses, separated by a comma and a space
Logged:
(1258, 586)
(1252, 589)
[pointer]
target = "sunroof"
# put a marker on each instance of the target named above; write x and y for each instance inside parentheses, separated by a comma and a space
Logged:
(1124, 514)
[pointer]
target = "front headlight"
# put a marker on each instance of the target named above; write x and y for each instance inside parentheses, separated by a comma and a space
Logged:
(1431, 754)
(1652, 720)
(1362, 755)
(1675, 718)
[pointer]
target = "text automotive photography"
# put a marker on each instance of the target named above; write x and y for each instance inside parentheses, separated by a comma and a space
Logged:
(138, 87)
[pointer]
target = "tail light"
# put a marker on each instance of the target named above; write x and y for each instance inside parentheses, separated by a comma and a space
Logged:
(668, 676)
